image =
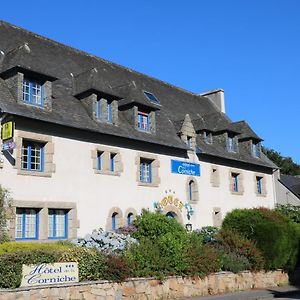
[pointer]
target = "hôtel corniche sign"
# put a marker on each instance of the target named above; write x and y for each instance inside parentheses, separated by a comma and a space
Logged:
(185, 168)
(47, 274)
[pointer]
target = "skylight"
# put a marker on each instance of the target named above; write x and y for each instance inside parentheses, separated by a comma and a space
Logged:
(151, 97)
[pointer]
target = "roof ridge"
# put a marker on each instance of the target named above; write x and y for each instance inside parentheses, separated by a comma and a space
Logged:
(98, 58)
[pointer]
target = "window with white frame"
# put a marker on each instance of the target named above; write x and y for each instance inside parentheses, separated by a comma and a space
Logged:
(231, 144)
(256, 150)
(207, 137)
(143, 121)
(57, 224)
(33, 92)
(235, 182)
(27, 224)
(32, 158)
(145, 170)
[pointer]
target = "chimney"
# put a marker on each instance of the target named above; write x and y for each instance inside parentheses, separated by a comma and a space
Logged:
(216, 97)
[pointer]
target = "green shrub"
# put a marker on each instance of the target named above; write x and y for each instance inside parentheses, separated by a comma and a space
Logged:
(9, 247)
(274, 235)
(91, 263)
(234, 262)
(290, 211)
(232, 242)
(152, 225)
(11, 264)
(117, 268)
(201, 259)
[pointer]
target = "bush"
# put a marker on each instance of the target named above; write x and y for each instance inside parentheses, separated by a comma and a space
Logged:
(231, 242)
(117, 268)
(234, 262)
(290, 211)
(208, 233)
(11, 265)
(273, 234)
(152, 225)
(106, 241)
(9, 247)
(201, 259)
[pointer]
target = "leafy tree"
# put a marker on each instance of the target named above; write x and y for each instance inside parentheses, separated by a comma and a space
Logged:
(286, 164)
(4, 205)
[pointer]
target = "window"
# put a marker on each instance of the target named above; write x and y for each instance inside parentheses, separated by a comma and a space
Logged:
(256, 150)
(32, 92)
(129, 218)
(114, 221)
(191, 188)
(235, 182)
(98, 109)
(145, 171)
(100, 115)
(112, 161)
(109, 112)
(99, 160)
(151, 97)
(259, 185)
(143, 121)
(207, 137)
(189, 141)
(27, 223)
(231, 144)
(214, 177)
(171, 215)
(57, 224)
(32, 158)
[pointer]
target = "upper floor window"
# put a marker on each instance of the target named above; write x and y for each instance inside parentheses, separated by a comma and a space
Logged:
(189, 141)
(32, 158)
(256, 150)
(231, 144)
(57, 224)
(143, 121)
(145, 171)
(27, 223)
(99, 160)
(207, 137)
(32, 92)
(103, 110)
(112, 161)
(151, 97)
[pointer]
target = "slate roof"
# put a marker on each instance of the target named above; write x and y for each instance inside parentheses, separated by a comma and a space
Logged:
(245, 131)
(292, 183)
(26, 50)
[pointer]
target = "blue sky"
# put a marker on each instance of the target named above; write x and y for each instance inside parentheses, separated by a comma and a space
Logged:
(251, 49)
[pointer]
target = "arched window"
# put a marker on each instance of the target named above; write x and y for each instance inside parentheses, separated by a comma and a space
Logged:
(171, 215)
(192, 190)
(129, 218)
(114, 221)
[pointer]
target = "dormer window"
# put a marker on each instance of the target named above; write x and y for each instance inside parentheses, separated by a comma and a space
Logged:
(151, 97)
(207, 137)
(143, 121)
(231, 144)
(189, 141)
(103, 110)
(33, 92)
(256, 150)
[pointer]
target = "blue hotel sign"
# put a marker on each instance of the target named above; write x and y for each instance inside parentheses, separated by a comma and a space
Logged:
(185, 168)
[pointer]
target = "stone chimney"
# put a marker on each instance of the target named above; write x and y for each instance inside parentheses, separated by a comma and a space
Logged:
(216, 97)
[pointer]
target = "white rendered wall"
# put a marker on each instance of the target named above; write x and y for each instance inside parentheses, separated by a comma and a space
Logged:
(95, 194)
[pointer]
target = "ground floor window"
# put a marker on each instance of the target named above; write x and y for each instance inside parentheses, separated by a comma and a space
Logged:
(57, 223)
(27, 223)
(171, 215)
(129, 218)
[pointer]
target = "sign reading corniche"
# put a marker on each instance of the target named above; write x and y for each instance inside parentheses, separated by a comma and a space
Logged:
(45, 274)
(185, 168)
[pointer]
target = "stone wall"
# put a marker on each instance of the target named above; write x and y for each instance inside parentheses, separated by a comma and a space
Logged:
(170, 288)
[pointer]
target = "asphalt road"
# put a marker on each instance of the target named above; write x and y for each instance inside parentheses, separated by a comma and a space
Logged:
(279, 293)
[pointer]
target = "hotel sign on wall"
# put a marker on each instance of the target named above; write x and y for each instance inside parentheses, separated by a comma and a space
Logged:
(7, 130)
(170, 200)
(185, 168)
(47, 274)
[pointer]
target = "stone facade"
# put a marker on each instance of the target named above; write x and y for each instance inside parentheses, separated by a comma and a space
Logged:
(171, 288)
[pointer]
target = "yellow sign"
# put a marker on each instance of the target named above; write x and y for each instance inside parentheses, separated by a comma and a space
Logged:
(170, 200)
(7, 130)
(45, 274)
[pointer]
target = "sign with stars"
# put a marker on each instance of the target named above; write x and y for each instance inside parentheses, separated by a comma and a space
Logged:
(48, 274)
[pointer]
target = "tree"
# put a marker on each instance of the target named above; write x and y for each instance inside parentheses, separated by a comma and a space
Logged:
(4, 206)
(286, 164)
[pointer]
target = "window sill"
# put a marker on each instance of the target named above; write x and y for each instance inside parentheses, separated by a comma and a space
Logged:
(34, 173)
(150, 184)
(237, 193)
(107, 172)
(262, 195)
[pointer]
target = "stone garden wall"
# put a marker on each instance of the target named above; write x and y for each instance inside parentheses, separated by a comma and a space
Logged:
(170, 288)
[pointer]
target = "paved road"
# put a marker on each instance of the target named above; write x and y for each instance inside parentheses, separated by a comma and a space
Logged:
(279, 293)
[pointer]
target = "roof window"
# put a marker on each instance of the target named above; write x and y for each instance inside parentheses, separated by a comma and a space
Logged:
(151, 97)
